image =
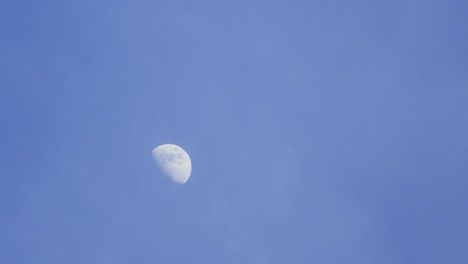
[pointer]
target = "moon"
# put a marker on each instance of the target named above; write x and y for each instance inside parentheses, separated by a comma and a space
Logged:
(174, 162)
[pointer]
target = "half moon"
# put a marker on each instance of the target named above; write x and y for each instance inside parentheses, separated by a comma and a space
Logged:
(174, 162)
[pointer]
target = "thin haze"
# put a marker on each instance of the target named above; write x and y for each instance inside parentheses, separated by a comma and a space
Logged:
(319, 131)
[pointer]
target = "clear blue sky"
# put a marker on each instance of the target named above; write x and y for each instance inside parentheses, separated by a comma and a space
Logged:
(319, 131)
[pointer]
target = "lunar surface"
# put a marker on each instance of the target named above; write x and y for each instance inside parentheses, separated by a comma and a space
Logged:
(174, 162)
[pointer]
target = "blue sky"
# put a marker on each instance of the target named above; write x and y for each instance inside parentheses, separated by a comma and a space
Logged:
(319, 131)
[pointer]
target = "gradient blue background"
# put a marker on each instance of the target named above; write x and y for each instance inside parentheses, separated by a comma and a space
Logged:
(319, 131)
